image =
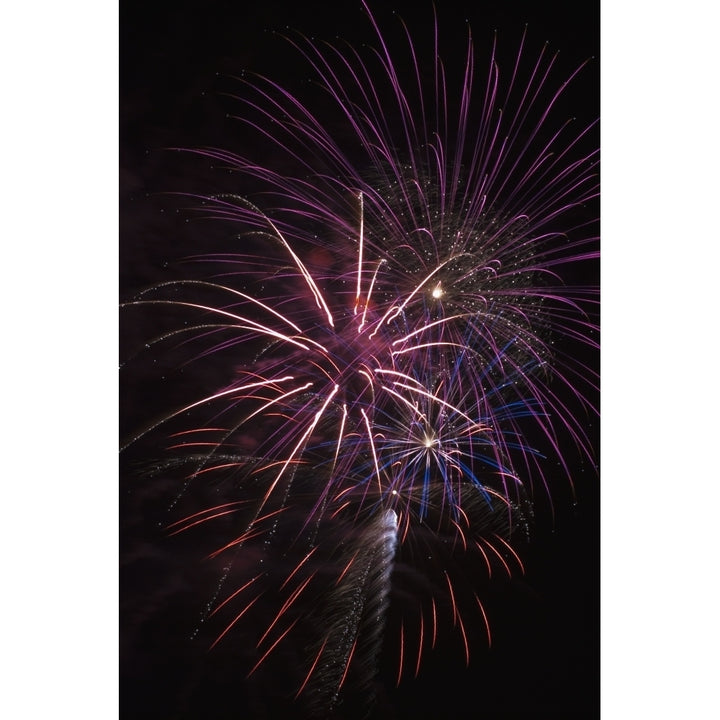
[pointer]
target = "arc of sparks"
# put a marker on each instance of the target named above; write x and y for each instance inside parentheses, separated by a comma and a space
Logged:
(301, 267)
(361, 243)
(232, 291)
(209, 398)
(300, 442)
(395, 310)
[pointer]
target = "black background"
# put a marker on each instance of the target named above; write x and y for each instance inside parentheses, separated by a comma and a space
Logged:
(177, 63)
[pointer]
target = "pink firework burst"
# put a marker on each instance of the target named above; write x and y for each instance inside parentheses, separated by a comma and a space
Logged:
(398, 358)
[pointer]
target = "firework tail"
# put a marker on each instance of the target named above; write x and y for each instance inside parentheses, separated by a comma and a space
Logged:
(345, 662)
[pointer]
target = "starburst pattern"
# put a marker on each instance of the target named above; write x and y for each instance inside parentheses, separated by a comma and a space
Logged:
(390, 342)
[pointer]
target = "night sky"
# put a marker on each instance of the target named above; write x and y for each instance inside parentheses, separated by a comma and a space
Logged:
(176, 74)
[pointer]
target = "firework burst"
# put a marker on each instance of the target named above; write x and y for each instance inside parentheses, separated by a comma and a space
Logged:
(388, 352)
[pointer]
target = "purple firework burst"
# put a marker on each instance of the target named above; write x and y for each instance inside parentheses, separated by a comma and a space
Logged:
(389, 351)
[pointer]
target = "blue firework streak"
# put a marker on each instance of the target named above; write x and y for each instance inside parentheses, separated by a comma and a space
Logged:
(388, 346)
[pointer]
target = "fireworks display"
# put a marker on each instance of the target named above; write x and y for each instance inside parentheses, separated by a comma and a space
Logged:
(368, 392)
